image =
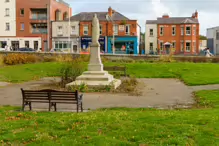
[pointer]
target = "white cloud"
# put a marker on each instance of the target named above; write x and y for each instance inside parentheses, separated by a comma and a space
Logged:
(143, 10)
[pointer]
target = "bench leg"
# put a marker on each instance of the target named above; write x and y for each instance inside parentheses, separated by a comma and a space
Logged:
(49, 106)
(30, 106)
(55, 107)
(23, 106)
(81, 107)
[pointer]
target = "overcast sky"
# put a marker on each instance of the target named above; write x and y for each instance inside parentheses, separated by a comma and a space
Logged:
(143, 10)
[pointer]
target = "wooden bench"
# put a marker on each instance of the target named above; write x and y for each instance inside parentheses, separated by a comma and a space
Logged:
(117, 69)
(52, 97)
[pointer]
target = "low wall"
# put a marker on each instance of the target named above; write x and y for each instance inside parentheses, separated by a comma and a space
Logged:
(115, 57)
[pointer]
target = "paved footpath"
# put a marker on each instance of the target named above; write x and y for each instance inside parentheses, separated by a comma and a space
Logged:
(159, 93)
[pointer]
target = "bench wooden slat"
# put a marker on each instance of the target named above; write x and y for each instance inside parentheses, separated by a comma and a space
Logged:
(34, 98)
(29, 95)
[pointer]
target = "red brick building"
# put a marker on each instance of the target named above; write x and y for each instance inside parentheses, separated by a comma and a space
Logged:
(126, 31)
(180, 33)
(33, 19)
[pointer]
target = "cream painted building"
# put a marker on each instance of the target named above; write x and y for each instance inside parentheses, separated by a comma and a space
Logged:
(150, 36)
(8, 18)
(65, 34)
(8, 29)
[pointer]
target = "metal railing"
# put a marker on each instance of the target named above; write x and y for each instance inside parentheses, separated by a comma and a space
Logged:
(39, 31)
(39, 17)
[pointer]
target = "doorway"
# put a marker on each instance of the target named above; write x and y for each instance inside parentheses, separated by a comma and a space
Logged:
(15, 45)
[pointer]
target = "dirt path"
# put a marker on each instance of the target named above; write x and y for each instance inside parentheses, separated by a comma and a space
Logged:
(159, 93)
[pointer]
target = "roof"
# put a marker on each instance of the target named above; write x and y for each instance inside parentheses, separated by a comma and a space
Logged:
(174, 20)
(151, 22)
(88, 16)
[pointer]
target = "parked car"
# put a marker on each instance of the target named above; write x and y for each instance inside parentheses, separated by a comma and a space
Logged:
(26, 49)
(2, 49)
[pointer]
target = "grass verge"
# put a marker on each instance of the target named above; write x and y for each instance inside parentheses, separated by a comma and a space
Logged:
(119, 126)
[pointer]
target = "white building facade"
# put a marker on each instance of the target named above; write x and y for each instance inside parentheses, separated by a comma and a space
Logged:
(65, 36)
(150, 37)
(8, 29)
(213, 39)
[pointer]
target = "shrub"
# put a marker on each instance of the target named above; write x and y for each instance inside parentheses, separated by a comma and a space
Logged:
(13, 59)
(1, 60)
(70, 71)
(64, 58)
(49, 59)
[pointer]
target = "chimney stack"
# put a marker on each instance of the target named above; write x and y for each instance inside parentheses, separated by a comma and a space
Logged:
(110, 11)
(165, 16)
(196, 14)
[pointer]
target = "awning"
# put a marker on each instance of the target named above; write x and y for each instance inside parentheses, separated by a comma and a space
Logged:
(167, 43)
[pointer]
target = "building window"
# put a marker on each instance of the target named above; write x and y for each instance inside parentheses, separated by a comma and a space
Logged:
(194, 30)
(188, 46)
(22, 26)
(173, 31)
(73, 30)
(161, 46)
(85, 30)
(174, 45)
(127, 29)
(161, 31)
(22, 12)
(188, 30)
(151, 46)
(27, 44)
(115, 29)
(7, 27)
(100, 29)
(182, 30)
(151, 32)
(7, 12)
(35, 43)
(182, 46)
(217, 35)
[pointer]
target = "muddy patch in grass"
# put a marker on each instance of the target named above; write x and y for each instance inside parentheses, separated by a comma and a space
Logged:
(130, 86)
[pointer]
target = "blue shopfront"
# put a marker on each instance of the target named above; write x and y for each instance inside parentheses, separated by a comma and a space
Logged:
(123, 45)
(86, 41)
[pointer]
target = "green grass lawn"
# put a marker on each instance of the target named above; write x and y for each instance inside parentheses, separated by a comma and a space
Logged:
(190, 73)
(197, 126)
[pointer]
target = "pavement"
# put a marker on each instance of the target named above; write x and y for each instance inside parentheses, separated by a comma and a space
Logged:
(156, 93)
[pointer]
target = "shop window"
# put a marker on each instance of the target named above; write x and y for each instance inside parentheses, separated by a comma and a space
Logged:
(27, 44)
(35, 45)
(3, 44)
(15, 45)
